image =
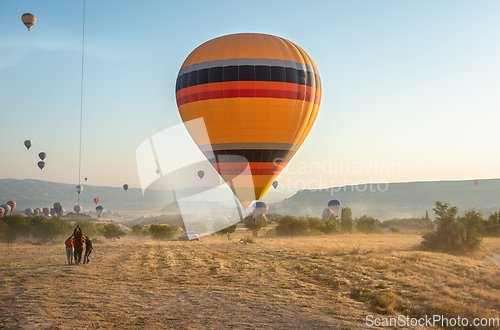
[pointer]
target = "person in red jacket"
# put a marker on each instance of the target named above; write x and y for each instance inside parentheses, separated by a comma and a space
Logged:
(78, 243)
(69, 249)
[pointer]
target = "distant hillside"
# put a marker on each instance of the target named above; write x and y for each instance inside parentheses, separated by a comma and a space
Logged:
(400, 200)
(30, 193)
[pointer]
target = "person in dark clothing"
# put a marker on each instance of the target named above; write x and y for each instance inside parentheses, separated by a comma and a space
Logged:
(78, 244)
(88, 250)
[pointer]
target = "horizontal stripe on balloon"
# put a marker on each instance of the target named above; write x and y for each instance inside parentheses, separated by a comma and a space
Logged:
(274, 85)
(255, 168)
(250, 156)
(247, 73)
(280, 94)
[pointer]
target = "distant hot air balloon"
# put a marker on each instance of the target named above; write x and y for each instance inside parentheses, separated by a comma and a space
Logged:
(42, 155)
(96, 200)
(2, 211)
(77, 209)
(6, 209)
(36, 212)
(327, 215)
(85, 179)
(476, 182)
(157, 171)
(41, 165)
(58, 208)
(46, 211)
(258, 96)
(62, 212)
(79, 189)
(53, 212)
(334, 205)
(476, 204)
(99, 210)
(29, 20)
(275, 184)
(28, 144)
(260, 208)
(12, 205)
(201, 174)
(28, 212)
(125, 186)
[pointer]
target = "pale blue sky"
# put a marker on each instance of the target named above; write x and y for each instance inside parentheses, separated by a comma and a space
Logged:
(412, 87)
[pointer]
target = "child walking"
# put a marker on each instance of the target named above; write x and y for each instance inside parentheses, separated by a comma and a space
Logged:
(69, 249)
(88, 250)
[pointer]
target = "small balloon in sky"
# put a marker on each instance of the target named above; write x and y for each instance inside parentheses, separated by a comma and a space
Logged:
(28, 144)
(275, 184)
(201, 174)
(77, 209)
(29, 20)
(79, 189)
(125, 186)
(41, 165)
(96, 200)
(42, 155)
(476, 182)
(85, 179)
(476, 204)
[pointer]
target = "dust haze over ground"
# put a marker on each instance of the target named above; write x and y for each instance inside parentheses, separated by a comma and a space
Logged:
(310, 282)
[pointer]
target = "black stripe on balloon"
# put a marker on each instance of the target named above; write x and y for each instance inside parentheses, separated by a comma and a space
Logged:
(249, 155)
(247, 73)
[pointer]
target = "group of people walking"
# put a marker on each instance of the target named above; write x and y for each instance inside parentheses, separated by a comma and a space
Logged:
(76, 241)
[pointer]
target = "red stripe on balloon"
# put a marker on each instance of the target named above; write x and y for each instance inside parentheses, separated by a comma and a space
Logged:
(233, 93)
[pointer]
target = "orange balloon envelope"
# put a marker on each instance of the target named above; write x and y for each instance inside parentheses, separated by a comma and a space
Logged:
(258, 96)
(476, 182)
(29, 20)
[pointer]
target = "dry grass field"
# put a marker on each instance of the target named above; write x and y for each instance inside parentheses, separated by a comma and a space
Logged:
(313, 282)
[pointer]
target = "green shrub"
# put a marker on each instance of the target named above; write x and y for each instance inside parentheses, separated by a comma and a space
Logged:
(368, 225)
(112, 231)
(137, 230)
(161, 232)
(290, 226)
(330, 228)
(271, 232)
(394, 229)
(314, 224)
(255, 227)
(454, 235)
(347, 224)
(227, 231)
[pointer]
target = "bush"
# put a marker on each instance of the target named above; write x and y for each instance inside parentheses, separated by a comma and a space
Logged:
(112, 231)
(271, 233)
(227, 230)
(394, 229)
(161, 232)
(47, 229)
(14, 226)
(491, 227)
(454, 235)
(290, 226)
(330, 228)
(88, 227)
(314, 224)
(368, 225)
(255, 227)
(137, 230)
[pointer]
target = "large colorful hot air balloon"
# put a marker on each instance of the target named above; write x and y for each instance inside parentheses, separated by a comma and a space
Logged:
(275, 184)
(41, 165)
(28, 212)
(12, 205)
(99, 210)
(28, 144)
(29, 20)
(58, 208)
(77, 209)
(334, 205)
(53, 212)
(79, 189)
(258, 96)
(96, 200)
(476, 182)
(6, 209)
(36, 212)
(125, 186)
(2, 211)
(42, 155)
